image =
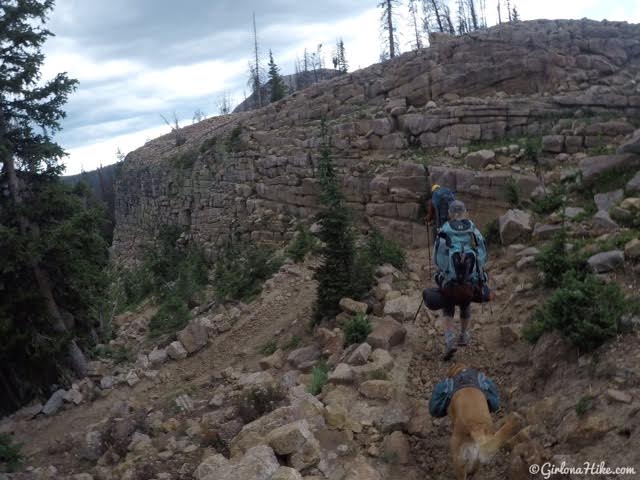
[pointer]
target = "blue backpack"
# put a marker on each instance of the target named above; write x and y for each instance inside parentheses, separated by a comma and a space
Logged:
(460, 254)
(440, 200)
(444, 390)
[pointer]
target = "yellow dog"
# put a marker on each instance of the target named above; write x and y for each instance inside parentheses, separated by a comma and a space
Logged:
(473, 440)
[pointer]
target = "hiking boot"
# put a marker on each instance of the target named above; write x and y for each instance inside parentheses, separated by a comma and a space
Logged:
(464, 339)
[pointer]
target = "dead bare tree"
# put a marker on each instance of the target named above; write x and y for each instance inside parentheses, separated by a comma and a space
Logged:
(175, 129)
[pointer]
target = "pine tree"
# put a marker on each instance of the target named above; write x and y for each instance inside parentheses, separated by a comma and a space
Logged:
(334, 275)
(343, 66)
(387, 18)
(515, 16)
(277, 85)
(433, 21)
(51, 252)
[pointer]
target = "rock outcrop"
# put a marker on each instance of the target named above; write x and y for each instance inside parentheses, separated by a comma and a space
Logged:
(254, 173)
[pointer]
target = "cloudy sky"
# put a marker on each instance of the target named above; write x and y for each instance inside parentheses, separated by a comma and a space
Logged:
(138, 59)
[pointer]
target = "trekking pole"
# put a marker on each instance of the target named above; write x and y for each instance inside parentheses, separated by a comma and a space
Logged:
(429, 247)
(415, 317)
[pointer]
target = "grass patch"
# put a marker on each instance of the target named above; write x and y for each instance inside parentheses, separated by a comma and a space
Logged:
(378, 375)
(208, 144)
(319, 377)
(10, 453)
(584, 310)
(269, 348)
(584, 405)
(303, 243)
(293, 343)
(357, 329)
(242, 269)
(618, 241)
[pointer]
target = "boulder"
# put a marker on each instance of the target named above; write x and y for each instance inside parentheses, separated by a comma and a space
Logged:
(132, 378)
(193, 337)
(573, 212)
(377, 389)
(258, 463)
(553, 143)
(396, 448)
(631, 203)
(260, 380)
(286, 473)
(157, 356)
(592, 167)
(632, 145)
(480, 159)
(54, 403)
(107, 382)
(632, 249)
(176, 351)
(525, 262)
(275, 360)
(360, 469)
(606, 261)
(386, 333)
(401, 308)
(605, 201)
(304, 355)
(618, 396)
(515, 225)
(297, 441)
(603, 223)
(360, 355)
(343, 374)
(352, 307)
(633, 186)
(550, 349)
(545, 232)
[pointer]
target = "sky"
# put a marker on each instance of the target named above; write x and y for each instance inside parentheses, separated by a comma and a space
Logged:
(139, 59)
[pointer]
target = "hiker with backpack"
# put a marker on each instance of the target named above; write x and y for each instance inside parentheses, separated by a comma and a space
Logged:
(438, 207)
(460, 255)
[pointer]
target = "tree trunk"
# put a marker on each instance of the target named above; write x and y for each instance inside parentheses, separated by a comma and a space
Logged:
(78, 360)
(392, 46)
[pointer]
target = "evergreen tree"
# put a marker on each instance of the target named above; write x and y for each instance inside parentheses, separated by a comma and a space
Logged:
(52, 253)
(343, 65)
(277, 85)
(387, 18)
(255, 69)
(515, 16)
(334, 275)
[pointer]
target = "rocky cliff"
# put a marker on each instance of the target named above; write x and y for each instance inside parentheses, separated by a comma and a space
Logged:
(391, 125)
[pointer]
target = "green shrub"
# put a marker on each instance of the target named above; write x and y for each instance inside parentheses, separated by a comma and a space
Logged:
(532, 148)
(319, 377)
(232, 142)
(512, 193)
(242, 268)
(119, 354)
(10, 455)
(258, 401)
(357, 329)
(172, 316)
(554, 261)
(491, 233)
(552, 201)
(584, 405)
(382, 250)
(303, 243)
(269, 348)
(585, 310)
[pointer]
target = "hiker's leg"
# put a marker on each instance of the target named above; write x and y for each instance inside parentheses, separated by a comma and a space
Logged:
(449, 333)
(465, 317)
